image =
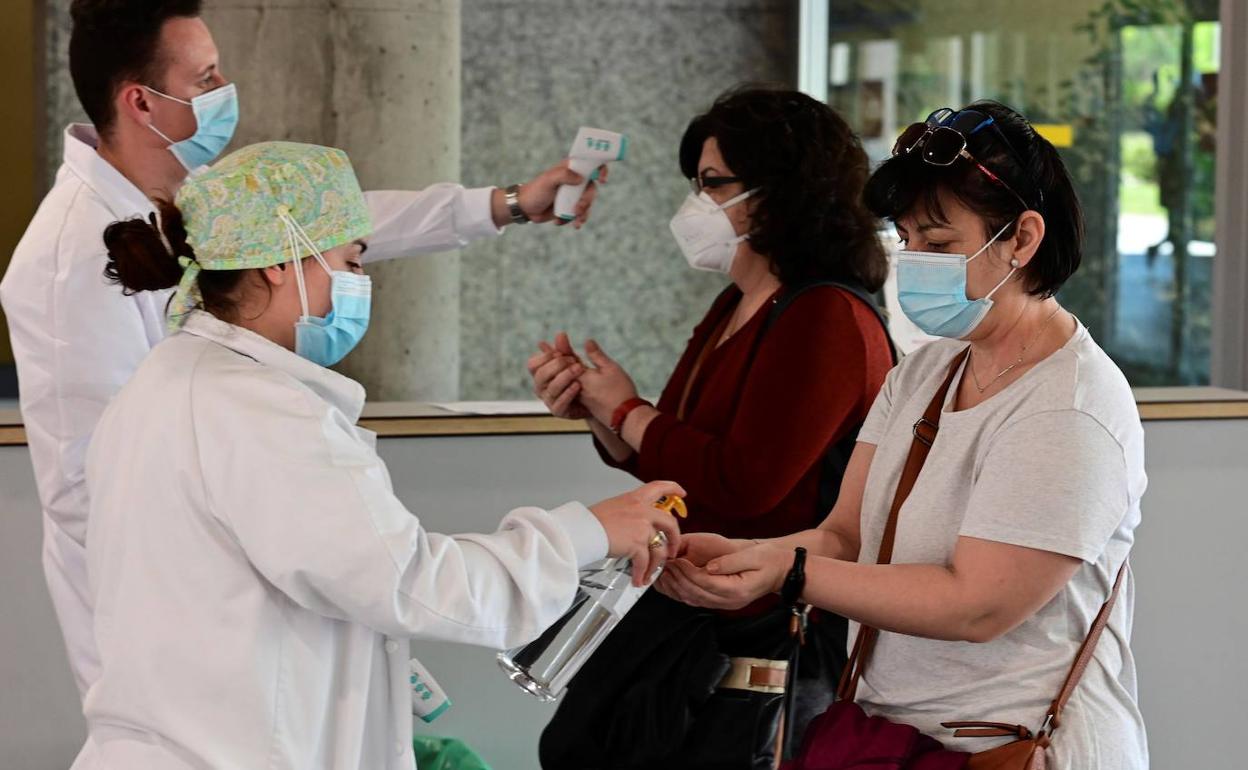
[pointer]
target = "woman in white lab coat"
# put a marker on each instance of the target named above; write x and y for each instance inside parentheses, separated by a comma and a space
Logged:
(255, 578)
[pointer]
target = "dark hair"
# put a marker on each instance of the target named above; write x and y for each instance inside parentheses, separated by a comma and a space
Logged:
(809, 168)
(1031, 167)
(139, 260)
(114, 41)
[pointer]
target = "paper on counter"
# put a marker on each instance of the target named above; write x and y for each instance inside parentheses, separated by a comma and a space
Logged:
(492, 408)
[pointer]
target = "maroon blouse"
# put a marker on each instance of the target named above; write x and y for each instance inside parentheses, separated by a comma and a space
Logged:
(753, 470)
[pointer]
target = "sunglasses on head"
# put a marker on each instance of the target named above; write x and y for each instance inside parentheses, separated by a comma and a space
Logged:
(942, 139)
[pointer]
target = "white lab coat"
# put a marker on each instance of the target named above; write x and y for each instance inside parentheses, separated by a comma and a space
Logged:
(77, 339)
(255, 579)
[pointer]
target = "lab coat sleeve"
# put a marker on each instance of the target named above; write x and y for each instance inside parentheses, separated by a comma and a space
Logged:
(439, 218)
(310, 504)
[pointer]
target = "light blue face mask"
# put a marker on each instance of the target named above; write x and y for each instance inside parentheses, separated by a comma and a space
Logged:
(328, 340)
(931, 288)
(216, 117)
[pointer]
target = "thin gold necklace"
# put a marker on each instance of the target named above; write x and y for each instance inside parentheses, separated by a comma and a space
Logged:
(1010, 368)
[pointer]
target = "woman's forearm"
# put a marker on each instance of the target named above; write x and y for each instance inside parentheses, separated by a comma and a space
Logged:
(633, 431)
(614, 445)
(925, 600)
(818, 542)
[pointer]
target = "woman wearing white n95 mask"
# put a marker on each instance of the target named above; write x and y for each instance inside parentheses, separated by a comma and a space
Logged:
(756, 420)
(255, 579)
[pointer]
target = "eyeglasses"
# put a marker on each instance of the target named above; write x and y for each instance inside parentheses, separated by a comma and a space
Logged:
(706, 182)
(943, 139)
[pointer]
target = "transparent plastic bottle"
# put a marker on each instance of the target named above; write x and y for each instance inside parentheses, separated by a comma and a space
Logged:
(544, 666)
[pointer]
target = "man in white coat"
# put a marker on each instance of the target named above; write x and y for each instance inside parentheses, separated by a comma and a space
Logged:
(147, 74)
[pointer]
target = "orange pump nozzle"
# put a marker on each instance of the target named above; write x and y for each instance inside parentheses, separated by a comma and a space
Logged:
(673, 504)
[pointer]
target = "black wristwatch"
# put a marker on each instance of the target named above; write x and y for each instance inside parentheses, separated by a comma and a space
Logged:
(795, 581)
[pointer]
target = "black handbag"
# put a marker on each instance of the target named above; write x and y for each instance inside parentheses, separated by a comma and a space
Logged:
(651, 695)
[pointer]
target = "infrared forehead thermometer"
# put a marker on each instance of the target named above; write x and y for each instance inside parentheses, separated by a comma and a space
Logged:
(592, 148)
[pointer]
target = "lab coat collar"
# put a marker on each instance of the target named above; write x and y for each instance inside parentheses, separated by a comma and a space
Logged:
(123, 199)
(341, 392)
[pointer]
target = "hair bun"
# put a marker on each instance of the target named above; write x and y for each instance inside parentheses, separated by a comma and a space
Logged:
(141, 257)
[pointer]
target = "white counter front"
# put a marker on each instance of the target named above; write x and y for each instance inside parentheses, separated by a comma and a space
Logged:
(1190, 578)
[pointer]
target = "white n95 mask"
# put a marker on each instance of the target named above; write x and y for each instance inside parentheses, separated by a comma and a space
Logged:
(705, 234)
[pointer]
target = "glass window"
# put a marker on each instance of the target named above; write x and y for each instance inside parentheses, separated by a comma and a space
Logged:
(1128, 93)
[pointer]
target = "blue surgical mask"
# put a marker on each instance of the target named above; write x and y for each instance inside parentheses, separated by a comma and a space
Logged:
(931, 288)
(216, 117)
(328, 340)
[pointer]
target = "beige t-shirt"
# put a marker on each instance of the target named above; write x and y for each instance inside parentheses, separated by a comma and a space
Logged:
(1055, 461)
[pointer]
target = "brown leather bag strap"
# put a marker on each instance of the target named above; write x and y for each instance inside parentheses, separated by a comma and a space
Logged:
(924, 431)
(1054, 718)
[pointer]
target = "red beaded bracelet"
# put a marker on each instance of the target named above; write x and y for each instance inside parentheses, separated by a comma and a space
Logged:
(623, 410)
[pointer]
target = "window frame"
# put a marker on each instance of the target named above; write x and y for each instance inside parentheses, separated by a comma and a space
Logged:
(1229, 344)
(1229, 314)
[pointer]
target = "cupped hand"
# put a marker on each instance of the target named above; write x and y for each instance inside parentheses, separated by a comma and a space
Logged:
(727, 582)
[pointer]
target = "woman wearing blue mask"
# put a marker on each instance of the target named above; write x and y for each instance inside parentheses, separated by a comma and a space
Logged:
(255, 579)
(989, 508)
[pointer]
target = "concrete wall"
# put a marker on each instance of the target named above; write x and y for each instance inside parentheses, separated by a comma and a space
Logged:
(1188, 566)
(382, 79)
(533, 72)
(379, 79)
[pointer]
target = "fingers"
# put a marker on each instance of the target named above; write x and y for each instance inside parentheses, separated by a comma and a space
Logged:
(664, 585)
(597, 355)
(641, 567)
(686, 543)
(547, 372)
(560, 174)
(656, 489)
(560, 382)
(564, 345)
(646, 563)
(695, 550)
(645, 559)
(537, 360)
(563, 403)
(584, 204)
(544, 372)
(603, 170)
(682, 580)
(666, 523)
(734, 563)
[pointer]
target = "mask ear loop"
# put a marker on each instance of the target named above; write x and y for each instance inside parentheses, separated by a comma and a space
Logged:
(732, 202)
(296, 263)
(991, 241)
(1007, 277)
(984, 248)
(737, 199)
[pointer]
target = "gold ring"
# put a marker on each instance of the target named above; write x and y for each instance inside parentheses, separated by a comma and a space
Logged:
(659, 540)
